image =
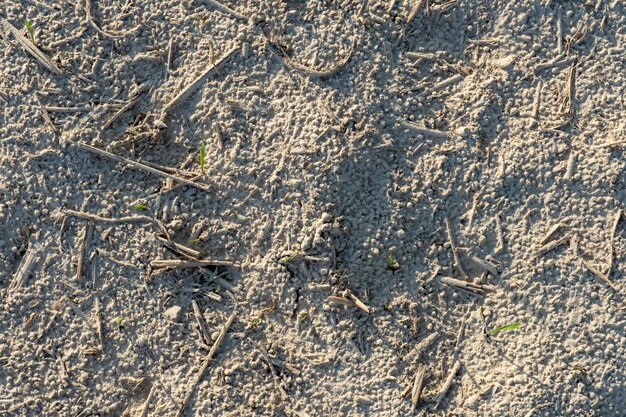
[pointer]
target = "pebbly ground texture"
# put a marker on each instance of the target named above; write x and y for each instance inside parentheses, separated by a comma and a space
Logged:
(383, 182)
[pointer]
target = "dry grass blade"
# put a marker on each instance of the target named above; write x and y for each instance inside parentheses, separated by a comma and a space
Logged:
(30, 47)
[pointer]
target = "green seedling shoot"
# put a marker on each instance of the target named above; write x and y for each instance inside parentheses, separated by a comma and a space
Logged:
(119, 322)
(392, 263)
(31, 32)
(511, 326)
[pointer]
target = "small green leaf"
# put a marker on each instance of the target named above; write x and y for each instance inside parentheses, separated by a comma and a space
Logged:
(578, 368)
(255, 321)
(202, 155)
(141, 207)
(284, 260)
(30, 30)
(393, 264)
(119, 322)
(303, 317)
(511, 326)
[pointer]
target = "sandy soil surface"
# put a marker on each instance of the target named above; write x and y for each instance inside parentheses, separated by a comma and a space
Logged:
(312, 208)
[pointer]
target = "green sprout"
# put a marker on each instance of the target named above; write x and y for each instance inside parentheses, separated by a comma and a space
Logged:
(255, 321)
(196, 240)
(202, 155)
(303, 317)
(579, 368)
(284, 260)
(511, 326)
(140, 207)
(30, 30)
(392, 263)
(119, 322)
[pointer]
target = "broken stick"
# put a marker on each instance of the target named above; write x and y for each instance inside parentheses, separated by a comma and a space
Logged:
(220, 338)
(82, 249)
(455, 254)
(191, 88)
(418, 386)
(140, 166)
(30, 47)
(447, 384)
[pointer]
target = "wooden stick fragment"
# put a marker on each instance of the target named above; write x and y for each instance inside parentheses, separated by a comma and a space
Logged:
(550, 246)
(559, 32)
(30, 47)
(179, 263)
(267, 358)
(357, 302)
(616, 220)
(191, 88)
(447, 384)
(453, 248)
(201, 324)
(571, 166)
(142, 167)
(604, 277)
(443, 84)
(610, 144)
(89, 18)
(550, 234)
(82, 315)
(134, 100)
(425, 131)
(559, 62)
(537, 101)
(571, 88)
(24, 269)
(180, 249)
(57, 109)
(418, 386)
(82, 249)
(224, 9)
(421, 347)
(470, 287)
(99, 328)
(340, 300)
(59, 214)
(144, 409)
(192, 388)
(170, 58)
